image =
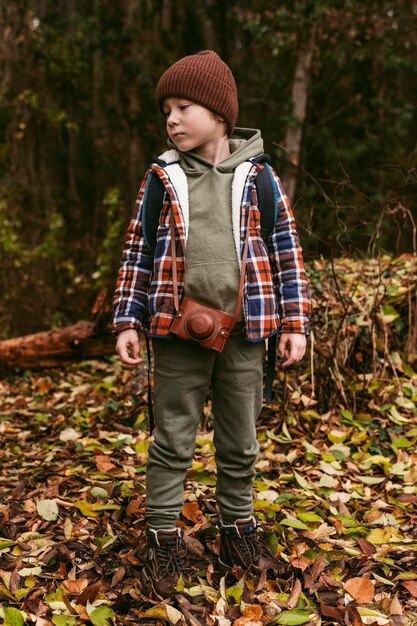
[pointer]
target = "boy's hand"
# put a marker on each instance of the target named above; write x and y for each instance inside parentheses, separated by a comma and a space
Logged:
(292, 346)
(128, 342)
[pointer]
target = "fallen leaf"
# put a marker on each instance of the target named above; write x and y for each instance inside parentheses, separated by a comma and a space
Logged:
(68, 528)
(30, 571)
(192, 512)
(253, 611)
(13, 617)
(173, 614)
(292, 601)
(89, 594)
(292, 618)
(69, 434)
(411, 586)
(102, 616)
(372, 617)
(64, 620)
(268, 494)
(75, 586)
(103, 463)
(395, 607)
(156, 612)
(118, 576)
(48, 509)
(352, 617)
(366, 546)
(361, 589)
(331, 611)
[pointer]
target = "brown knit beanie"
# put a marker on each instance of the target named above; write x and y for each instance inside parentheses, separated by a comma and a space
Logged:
(205, 79)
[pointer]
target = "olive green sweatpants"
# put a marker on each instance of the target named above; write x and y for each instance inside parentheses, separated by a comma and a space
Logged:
(183, 374)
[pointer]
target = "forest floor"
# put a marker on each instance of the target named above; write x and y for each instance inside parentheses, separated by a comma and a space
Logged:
(336, 492)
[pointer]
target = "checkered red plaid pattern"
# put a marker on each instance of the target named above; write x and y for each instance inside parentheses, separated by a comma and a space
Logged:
(276, 296)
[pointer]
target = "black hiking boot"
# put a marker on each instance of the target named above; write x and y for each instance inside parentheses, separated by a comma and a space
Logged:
(165, 563)
(243, 544)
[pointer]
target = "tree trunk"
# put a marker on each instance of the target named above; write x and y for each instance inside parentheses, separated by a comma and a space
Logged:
(294, 133)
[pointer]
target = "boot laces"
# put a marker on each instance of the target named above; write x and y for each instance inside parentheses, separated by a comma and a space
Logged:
(171, 556)
(251, 545)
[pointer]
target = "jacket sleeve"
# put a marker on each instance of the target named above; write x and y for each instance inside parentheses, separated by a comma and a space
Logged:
(131, 295)
(288, 271)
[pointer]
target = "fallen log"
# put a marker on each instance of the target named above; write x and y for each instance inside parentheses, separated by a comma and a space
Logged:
(52, 348)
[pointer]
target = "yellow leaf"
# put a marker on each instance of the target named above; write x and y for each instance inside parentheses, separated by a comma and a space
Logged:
(379, 536)
(156, 612)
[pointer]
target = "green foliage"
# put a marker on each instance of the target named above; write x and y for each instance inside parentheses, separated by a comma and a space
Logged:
(78, 126)
(112, 237)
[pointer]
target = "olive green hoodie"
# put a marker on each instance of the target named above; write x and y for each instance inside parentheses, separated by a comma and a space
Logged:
(212, 268)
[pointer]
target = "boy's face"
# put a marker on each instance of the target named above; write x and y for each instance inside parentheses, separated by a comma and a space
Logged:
(191, 126)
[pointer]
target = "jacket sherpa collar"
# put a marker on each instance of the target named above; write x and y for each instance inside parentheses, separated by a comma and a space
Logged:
(169, 161)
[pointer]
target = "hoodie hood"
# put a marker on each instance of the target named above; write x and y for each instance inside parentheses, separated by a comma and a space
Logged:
(245, 144)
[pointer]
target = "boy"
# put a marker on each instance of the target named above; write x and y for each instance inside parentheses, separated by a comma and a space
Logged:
(208, 176)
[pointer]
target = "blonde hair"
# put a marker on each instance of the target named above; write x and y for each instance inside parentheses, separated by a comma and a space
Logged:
(219, 118)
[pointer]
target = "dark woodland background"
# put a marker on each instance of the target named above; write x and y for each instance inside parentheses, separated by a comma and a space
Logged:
(332, 85)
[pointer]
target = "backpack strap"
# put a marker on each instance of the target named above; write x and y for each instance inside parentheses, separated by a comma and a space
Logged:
(267, 193)
(151, 209)
(270, 368)
(151, 415)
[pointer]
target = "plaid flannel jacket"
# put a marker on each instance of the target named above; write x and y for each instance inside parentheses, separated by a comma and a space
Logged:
(276, 296)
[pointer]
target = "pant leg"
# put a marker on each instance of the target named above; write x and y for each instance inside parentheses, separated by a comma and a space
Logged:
(182, 376)
(237, 385)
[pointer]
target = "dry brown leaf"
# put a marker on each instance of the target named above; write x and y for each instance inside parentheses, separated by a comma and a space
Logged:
(75, 586)
(361, 589)
(103, 463)
(253, 611)
(311, 575)
(294, 595)
(118, 576)
(352, 617)
(44, 385)
(395, 607)
(411, 586)
(14, 582)
(191, 511)
(372, 516)
(331, 611)
(133, 507)
(330, 581)
(261, 580)
(367, 547)
(297, 559)
(90, 593)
